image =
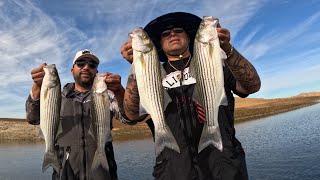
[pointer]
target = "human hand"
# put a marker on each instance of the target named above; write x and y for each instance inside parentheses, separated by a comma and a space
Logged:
(224, 37)
(126, 51)
(37, 75)
(113, 82)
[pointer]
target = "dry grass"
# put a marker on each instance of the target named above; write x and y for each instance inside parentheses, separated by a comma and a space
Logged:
(18, 130)
(123, 132)
(246, 109)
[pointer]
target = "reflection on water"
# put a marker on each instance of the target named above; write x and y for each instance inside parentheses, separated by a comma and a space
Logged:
(280, 147)
(286, 146)
(135, 159)
(24, 161)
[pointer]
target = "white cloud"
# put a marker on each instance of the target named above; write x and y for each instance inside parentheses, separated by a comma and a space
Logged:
(245, 42)
(28, 37)
(233, 14)
(29, 34)
(119, 20)
(300, 78)
(287, 59)
(279, 40)
(298, 72)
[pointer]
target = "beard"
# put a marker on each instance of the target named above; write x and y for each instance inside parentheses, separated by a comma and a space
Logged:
(84, 82)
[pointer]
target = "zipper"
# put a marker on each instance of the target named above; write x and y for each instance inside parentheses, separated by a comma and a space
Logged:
(83, 142)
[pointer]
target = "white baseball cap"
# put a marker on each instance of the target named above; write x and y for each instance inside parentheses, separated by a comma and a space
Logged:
(85, 53)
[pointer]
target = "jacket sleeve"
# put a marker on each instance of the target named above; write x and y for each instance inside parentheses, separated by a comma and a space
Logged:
(231, 82)
(116, 111)
(33, 111)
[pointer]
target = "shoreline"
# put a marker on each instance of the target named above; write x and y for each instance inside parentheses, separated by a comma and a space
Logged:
(273, 113)
(19, 131)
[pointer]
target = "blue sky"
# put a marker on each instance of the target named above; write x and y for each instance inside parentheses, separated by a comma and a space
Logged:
(280, 37)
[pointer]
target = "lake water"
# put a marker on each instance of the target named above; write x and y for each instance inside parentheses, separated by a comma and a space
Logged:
(281, 147)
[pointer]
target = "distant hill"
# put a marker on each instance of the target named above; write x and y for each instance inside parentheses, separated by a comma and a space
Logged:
(309, 94)
(12, 119)
(246, 109)
(261, 102)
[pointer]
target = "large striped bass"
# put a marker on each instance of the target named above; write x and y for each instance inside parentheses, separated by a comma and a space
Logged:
(207, 67)
(101, 119)
(148, 75)
(50, 103)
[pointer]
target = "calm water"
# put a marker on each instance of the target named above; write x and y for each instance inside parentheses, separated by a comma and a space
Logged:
(286, 146)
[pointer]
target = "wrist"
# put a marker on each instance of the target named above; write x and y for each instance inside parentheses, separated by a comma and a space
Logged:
(35, 92)
(119, 92)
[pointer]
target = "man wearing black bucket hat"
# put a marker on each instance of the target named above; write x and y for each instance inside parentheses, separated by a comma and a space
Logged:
(173, 35)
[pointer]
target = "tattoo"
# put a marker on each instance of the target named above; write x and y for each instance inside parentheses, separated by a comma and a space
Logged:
(244, 72)
(119, 96)
(131, 99)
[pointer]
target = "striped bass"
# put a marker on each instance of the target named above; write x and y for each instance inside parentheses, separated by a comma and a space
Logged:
(50, 103)
(148, 75)
(207, 67)
(101, 119)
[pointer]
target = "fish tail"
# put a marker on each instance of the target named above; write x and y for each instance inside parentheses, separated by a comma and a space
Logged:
(210, 136)
(164, 138)
(100, 158)
(50, 159)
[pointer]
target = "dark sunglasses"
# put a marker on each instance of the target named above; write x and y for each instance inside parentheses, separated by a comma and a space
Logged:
(166, 33)
(82, 63)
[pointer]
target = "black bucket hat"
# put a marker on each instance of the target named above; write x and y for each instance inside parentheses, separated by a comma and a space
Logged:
(187, 21)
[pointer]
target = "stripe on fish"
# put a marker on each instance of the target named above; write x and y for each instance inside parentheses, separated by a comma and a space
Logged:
(207, 67)
(101, 119)
(50, 103)
(148, 75)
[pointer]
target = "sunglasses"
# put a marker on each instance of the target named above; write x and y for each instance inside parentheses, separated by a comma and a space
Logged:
(82, 63)
(166, 33)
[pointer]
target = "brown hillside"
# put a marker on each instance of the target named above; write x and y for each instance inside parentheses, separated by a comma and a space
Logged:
(246, 109)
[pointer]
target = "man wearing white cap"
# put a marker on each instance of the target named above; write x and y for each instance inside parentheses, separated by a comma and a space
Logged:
(75, 145)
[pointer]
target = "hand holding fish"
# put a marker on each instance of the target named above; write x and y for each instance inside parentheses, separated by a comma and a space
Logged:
(113, 82)
(37, 75)
(224, 37)
(126, 51)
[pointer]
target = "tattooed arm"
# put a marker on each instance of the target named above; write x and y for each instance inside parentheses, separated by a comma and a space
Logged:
(248, 80)
(132, 100)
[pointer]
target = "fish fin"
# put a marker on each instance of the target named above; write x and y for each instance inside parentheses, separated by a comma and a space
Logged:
(59, 129)
(40, 134)
(100, 158)
(223, 100)
(223, 54)
(163, 72)
(196, 95)
(91, 132)
(192, 70)
(166, 99)
(210, 136)
(50, 159)
(164, 138)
